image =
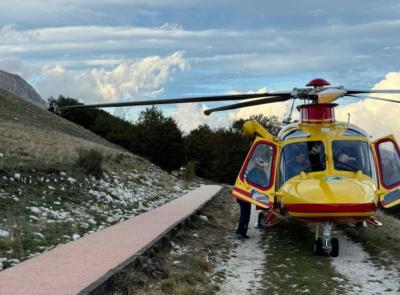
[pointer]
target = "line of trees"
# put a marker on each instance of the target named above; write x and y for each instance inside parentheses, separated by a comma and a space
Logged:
(216, 154)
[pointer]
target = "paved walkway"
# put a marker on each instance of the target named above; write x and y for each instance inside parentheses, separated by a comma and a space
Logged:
(75, 266)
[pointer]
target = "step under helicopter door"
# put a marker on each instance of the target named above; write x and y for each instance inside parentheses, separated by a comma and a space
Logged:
(256, 180)
(387, 154)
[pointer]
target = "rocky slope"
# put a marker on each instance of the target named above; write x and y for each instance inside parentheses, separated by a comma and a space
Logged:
(18, 86)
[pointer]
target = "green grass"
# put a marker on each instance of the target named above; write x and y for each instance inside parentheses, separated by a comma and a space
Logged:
(381, 243)
(291, 266)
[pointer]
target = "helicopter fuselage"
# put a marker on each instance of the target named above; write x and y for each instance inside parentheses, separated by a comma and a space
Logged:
(331, 192)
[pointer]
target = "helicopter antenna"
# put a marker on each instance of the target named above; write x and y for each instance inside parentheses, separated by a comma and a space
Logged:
(348, 118)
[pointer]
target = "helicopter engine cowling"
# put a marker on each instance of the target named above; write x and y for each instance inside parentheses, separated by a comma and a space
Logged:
(329, 95)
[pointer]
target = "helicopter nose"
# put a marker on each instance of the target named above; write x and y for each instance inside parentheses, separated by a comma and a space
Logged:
(325, 200)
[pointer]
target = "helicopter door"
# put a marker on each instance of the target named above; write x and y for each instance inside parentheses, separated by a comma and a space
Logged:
(387, 154)
(256, 180)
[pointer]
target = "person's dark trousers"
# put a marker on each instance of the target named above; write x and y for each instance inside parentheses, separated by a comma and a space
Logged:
(245, 208)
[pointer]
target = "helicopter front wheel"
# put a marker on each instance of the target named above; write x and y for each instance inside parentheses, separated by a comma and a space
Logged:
(318, 250)
(324, 243)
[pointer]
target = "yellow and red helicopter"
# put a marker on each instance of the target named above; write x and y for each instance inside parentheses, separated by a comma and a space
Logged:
(316, 170)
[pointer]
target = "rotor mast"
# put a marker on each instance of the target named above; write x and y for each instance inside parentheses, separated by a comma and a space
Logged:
(321, 111)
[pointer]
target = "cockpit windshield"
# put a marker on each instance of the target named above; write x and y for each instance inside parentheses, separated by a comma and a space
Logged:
(306, 156)
(349, 155)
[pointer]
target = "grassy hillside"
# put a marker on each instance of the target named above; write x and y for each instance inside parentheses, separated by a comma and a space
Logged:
(46, 199)
(35, 138)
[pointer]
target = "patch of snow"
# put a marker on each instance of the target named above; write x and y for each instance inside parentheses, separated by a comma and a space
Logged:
(75, 237)
(203, 218)
(35, 210)
(4, 233)
(356, 265)
(33, 217)
(39, 235)
(71, 180)
(14, 261)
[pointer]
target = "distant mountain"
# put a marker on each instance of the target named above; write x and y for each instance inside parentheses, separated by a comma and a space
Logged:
(19, 87)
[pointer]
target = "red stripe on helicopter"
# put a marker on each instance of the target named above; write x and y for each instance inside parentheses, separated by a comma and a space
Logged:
(330, 208)
(247, 194)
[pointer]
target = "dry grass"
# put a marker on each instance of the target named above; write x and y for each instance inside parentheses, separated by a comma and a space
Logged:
(33, 138)
(30, 147)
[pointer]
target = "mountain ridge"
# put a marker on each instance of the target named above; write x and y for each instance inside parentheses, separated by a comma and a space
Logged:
(16, 85)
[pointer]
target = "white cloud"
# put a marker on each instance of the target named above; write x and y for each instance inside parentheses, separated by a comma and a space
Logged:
(259, 51)
(10, 35)
(378, 118)
(190, 116)
(124, 81)
(278, 109)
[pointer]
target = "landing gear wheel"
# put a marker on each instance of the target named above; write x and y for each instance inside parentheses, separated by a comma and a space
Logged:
(318, 247)
(335, 247)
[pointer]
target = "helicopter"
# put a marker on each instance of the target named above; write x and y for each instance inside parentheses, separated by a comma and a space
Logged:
(316, 170)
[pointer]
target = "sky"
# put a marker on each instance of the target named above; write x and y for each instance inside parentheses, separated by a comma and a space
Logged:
(119, 50)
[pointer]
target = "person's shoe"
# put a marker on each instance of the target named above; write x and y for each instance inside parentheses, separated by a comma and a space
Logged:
(242, 237)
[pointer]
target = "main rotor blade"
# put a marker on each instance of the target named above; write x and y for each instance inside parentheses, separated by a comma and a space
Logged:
(266, 100)
(179, 100)
(372, 91)
(377, 98)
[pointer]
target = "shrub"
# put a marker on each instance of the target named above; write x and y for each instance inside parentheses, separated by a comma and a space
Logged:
(190, 171)
(167, 285)
(90, 161)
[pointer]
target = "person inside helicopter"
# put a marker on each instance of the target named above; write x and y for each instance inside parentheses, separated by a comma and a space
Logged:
(301, 157)
(258, 174)
(258, 171)
(300, 163)
(352, 156)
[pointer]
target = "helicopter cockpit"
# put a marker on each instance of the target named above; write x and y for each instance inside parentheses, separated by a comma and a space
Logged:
(306, 156)
(352, 155)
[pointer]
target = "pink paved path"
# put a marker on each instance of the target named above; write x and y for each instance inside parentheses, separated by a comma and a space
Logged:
(70, 268)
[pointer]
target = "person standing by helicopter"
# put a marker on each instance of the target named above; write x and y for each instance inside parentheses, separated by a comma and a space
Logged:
(258, 175)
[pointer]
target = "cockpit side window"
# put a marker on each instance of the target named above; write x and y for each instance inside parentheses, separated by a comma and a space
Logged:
(349, 155)
(308, 156)
(258, 170)
(390, 159)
